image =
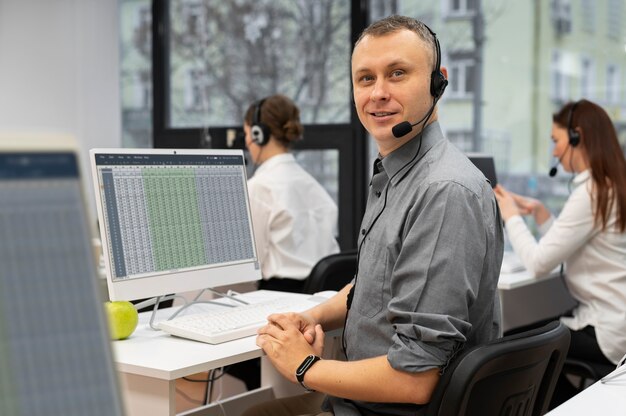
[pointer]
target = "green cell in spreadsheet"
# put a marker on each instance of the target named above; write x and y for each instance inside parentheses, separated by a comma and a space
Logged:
(176, 241)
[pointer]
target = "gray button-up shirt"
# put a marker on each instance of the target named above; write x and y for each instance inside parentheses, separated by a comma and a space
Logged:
(431, 245)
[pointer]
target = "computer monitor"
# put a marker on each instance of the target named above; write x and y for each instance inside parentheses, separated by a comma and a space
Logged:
(486, 165)
(55, 353)
(173, 221)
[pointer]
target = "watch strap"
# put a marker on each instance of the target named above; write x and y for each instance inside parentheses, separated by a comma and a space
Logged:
(303, 368)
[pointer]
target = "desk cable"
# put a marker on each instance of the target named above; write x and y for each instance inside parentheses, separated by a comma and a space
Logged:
(212, 377)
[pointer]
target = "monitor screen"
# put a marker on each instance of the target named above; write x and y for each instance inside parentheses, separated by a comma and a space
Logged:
(486, 165)
(55, 356)
(173, 221)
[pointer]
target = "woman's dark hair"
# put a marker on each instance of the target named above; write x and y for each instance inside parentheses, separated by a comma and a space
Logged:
(605, 158)
(281, 115)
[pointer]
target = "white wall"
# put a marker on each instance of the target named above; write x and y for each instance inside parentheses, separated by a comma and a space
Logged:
(59, 71)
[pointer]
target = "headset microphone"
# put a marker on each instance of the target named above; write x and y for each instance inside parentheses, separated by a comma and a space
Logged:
(553, 169)
(402, 129)
(405, 127)
(573, 138)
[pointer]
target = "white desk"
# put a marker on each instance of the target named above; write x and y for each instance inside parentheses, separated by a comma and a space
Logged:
(526, 300)
(598, 399)
(150, 361)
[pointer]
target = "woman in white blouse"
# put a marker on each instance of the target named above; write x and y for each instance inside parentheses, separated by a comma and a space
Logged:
(589, 235)
(293, 216)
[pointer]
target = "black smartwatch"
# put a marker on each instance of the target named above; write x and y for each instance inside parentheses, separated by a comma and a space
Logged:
(304, 367)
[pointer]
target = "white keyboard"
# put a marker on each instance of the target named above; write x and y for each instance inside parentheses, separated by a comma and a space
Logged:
(227, 324)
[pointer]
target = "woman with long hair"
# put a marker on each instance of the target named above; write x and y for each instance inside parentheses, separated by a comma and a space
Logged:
(589, 235)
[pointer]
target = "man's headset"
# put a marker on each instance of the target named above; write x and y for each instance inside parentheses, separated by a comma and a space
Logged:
(573, 136)
(260, 132)
(438, 81)
(438, 84)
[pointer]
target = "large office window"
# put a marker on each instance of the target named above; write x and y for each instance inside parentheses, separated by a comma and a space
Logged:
(525, 78)
(211, 59)
(224, 55)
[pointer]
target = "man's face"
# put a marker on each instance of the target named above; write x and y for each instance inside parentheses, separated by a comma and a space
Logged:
(391, 83)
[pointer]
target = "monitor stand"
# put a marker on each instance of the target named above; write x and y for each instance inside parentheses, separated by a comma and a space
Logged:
(158, 299)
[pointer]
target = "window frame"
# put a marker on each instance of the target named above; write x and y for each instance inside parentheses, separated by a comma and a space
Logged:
(350, 139)
(461, 64)
(587, 77)
(463, 11)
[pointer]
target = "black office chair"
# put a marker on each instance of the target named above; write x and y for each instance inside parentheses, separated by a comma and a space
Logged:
(513, 376)
(331, 272)
(586, 372)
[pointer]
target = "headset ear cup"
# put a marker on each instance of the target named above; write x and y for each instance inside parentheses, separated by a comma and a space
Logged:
(260, 134)
(257, 134)
(574, 137)
(572, 133)
(438, 84)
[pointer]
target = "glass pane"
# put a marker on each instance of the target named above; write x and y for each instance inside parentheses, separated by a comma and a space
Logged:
(323, 165)
(136, 72)
(469, 79)
(226, 54)
(526, 78)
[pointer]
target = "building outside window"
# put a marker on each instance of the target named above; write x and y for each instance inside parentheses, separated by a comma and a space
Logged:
(460, 7)
(461, 77)
(247, 49)
(587, 79)
(136, 72)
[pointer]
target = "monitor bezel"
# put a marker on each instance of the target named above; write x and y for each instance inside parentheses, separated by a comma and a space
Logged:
(483, 158)
(172, 282)
(37, 142)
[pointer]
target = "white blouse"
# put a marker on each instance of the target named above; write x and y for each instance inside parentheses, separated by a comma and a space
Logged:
(595, 264)
(294, 218)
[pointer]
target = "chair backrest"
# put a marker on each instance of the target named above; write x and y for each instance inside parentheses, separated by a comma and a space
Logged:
(514, 375)
(331, 272)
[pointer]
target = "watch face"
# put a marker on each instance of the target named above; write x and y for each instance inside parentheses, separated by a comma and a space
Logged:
(305, 364)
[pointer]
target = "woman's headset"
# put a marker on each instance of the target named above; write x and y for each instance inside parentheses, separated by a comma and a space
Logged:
(572, 133)
(260, 132)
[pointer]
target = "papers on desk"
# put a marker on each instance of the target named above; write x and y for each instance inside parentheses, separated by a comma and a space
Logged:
(511, 263)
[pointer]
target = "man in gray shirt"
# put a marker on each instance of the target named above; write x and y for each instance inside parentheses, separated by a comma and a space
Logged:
(430, 247)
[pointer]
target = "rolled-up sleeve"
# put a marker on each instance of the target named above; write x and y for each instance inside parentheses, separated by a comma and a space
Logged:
(436, 277)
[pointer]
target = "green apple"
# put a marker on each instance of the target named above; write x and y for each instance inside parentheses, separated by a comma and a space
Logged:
(122, 317)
